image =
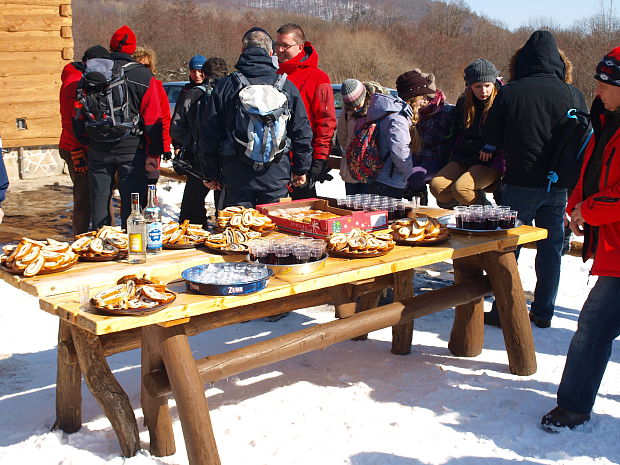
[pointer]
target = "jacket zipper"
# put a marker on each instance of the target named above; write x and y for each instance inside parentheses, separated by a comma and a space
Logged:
(608, 164)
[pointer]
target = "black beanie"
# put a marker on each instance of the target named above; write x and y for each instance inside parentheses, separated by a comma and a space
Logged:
(96, 51)
(608, 69)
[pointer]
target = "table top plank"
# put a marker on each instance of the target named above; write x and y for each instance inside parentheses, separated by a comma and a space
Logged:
(336, 271)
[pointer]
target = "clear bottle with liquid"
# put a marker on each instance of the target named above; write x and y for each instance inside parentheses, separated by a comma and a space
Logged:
(152, 217)
(136, 229)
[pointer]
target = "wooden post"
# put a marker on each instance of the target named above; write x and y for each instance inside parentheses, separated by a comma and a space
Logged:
(343, 302)
(155, 409)
(501, 267)
(402, 334)
(467, 335)
(188, 391)
(68, 384)
(366, 302)
(106, 390)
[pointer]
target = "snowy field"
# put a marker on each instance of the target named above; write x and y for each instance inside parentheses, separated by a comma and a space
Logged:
(353, 403)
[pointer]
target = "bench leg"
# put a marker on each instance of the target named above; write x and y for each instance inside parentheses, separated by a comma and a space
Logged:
(68, 384)
(501, 267)
(188, 391)
(402, 334)
(467, 335)
(106, 390)
(155, 409)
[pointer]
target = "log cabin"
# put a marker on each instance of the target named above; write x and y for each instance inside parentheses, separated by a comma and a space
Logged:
(35, 44)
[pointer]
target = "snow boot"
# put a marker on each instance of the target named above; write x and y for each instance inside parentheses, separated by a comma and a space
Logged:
(560, 417)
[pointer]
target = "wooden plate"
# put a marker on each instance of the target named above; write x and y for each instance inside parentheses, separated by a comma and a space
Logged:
(103, 258)
(224, 251)
(342, 254)
(135, 311)
(443, 237)
(42, 272)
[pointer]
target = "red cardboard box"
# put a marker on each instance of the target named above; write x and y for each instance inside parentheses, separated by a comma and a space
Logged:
(323, 228)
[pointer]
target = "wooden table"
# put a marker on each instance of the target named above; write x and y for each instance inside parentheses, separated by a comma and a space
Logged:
(168, 367)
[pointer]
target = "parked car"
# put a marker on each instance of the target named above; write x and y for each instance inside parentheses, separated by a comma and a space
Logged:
(338, 98)
(173, 90)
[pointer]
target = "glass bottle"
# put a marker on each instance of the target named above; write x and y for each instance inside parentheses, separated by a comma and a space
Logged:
(152, 217)
(136, 229)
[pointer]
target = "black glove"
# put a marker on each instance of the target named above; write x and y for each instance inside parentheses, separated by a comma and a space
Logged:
(316, 170)
(167, 156)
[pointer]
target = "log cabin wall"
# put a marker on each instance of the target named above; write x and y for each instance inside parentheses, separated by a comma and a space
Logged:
(35, 44)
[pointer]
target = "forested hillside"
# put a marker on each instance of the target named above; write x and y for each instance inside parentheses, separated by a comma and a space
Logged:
(376, 39)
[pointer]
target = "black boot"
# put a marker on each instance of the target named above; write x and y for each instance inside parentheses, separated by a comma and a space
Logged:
(560, 417)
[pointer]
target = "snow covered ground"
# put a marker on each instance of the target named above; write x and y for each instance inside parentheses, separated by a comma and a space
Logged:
(353, 403)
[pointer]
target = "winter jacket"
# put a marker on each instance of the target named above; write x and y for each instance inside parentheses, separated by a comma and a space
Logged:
(165, 115)
(602, 209)
(347, 124)
(184, 125)
(527, 109)
(467, 142)
(220, 157)
(4, 178)
(433, 130)
(393, 116)
(316, 91)
(144, 99)
(71, 75)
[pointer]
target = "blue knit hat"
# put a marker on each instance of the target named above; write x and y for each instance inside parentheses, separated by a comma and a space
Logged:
(196, 62)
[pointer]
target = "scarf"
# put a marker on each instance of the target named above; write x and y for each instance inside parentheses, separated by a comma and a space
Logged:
(434, 106)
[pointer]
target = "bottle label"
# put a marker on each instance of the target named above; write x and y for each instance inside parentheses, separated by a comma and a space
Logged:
(153, 235)
(135, 243)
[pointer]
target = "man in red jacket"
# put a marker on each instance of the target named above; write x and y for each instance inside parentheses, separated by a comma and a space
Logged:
(71, 150)
(300, 61)
(594, 208)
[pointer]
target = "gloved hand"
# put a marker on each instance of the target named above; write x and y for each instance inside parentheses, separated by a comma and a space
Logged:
(167, 156)
(78, 156)
(151, 166)
(318, 171)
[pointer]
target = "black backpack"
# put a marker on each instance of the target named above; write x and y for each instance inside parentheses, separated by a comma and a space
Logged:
(102, 102)
(568, 145)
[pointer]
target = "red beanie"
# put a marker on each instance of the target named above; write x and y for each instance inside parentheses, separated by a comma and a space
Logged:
(123, 40)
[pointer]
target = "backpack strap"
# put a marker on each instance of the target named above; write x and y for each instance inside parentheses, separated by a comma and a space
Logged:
(243, 81)
(280, 81)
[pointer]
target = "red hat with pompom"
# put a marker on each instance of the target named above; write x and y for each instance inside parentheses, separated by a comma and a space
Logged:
(123, 40)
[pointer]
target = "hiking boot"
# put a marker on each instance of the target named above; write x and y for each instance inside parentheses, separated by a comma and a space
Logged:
(539, 322)
(492, 319)
(560, 417)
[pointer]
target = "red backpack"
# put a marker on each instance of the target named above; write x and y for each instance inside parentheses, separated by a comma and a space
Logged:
(363, 156)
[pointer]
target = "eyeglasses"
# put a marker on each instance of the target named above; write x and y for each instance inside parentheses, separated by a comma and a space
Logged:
(284, 46)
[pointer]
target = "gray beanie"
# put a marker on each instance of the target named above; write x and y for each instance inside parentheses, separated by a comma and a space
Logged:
(480, 70)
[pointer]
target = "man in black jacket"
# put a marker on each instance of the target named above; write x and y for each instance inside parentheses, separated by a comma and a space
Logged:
(136, 157)
(221, 157)
(522, 121)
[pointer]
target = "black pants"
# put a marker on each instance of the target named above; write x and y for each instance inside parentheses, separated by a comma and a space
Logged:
(81, 196)
(102, 167)
(385, 190)
(193, 202)
(303, 192)
(250, 198)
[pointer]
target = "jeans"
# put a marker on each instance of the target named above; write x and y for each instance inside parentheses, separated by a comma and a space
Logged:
(546, 209)
(352, 188)
(590, 348)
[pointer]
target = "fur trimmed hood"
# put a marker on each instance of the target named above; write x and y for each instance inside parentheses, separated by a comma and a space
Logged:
(541, 55)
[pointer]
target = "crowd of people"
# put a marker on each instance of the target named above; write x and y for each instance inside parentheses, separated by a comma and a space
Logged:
(266, 131)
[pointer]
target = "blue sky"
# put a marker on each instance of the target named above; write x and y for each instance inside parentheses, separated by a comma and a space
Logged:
(514, 13)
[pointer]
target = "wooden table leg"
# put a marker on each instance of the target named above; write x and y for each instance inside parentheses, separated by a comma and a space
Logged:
(501, 267)
(402, 334)
(188, 391)
(155, 409)
(467, 335)
(342, 300)
(106, 390)
(68, 384)
(366, 302)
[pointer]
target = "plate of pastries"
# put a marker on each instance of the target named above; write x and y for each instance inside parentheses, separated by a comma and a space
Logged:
(133, 295)
(245, 220)
(302, 214)
(231, 241)
(421, 230)
(32, 257)
(106, 244)
(182, 235)
(359, 244)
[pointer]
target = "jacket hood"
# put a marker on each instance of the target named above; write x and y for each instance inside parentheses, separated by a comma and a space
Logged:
(254, 61)
(307, 58)
(540, 55)
(382, 104)
(72, 72)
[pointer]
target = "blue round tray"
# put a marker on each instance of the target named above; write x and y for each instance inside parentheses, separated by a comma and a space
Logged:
(208, 288)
